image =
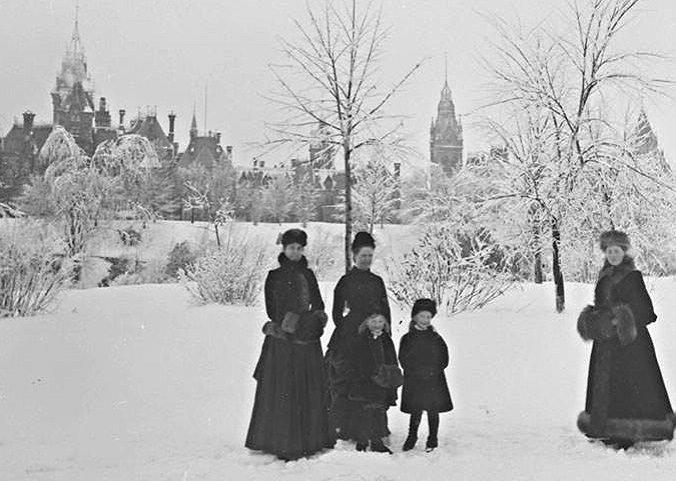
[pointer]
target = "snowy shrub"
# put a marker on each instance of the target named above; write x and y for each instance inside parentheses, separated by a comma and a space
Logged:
(144, 272)
(324, 253)
(129, 236)
(33, 270)
(460, 271)
(118, 267)
(231, 275)
(181, 257)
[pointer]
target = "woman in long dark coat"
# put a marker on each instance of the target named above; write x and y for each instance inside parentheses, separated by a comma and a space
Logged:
(626, 397)
(289, 416)
(358, 293)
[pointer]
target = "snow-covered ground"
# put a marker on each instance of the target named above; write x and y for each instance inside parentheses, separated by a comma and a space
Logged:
(136, 383)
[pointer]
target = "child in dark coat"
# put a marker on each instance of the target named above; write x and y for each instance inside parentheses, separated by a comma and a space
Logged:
(374, 387)
(424, 355)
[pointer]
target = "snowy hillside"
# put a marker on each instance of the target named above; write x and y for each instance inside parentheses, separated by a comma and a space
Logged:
(136, 383)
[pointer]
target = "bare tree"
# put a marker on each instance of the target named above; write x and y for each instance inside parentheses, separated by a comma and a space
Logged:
(375, 193)
(305, 198)
(568, 76)
(277, 201)
(330, 79)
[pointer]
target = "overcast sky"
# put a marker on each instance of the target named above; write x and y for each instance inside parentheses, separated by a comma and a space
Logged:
(162, 53)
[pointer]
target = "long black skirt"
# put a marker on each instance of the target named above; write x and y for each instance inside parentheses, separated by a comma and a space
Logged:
(626, 395)
(289, 416)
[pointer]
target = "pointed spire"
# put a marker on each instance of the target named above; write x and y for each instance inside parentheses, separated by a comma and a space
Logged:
(446, 90)
(193, 123)
(75, 38)
(646, 140)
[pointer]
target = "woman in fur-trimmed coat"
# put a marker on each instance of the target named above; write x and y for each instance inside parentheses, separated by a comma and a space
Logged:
(626, 397)
(290, 418)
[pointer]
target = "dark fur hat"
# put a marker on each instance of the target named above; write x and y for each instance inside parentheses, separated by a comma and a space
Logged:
(293, 236)
(614, 238)
(424, 305)
(363, 239)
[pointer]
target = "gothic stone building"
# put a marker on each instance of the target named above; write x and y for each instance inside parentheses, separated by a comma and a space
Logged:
(74, 108)
(446, 134)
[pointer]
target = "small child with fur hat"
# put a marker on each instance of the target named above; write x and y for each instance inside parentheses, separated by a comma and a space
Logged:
(424, 355)
(376, 379)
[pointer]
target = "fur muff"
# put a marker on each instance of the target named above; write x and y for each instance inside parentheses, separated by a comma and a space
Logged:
(600, 324)
(274, 329)
(596, 324)
(626, 324)
(311, 325)
(290, 322)
(629, 429)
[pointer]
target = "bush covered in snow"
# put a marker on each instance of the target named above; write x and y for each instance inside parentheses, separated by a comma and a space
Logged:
(324, 253)
(143, 272)
(232, 274)
(33, 270)
(180, 258)
(459, 270)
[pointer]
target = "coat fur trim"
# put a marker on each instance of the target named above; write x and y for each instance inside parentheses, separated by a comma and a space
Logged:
(626, 324)
(629, 429)
(598, 324)
(595, 324)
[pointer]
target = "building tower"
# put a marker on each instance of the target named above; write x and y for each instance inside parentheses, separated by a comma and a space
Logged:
(73, 94)
(446, 133)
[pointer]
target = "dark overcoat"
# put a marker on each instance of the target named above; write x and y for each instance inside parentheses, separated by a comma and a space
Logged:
(369, 354)
(626, 394)
(423, 355)
(358, 294)
(289, 417)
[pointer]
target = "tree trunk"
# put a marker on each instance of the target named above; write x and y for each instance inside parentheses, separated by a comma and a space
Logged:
(218, 236)
(539, 278)
(556, 267)
(348, 205)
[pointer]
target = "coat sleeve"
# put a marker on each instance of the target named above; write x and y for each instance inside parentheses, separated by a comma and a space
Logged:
(270, 301)
(338, 302)
(404, 352)
(384, 302)
(390, 351)
(444, 358)
(639, 300)
(315, 294)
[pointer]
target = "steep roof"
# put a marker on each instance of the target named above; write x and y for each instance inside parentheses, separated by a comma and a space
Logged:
(203, 150)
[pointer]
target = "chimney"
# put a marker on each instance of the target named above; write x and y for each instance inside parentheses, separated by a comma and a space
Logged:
(122, 112)
(102, 104)
(28, 118)
(228, 150)
(172, 121)
(218, 137)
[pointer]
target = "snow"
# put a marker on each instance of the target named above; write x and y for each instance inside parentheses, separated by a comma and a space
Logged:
(137, 383)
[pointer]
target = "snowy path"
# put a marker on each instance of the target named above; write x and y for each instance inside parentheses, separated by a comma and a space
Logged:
(134, 383)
